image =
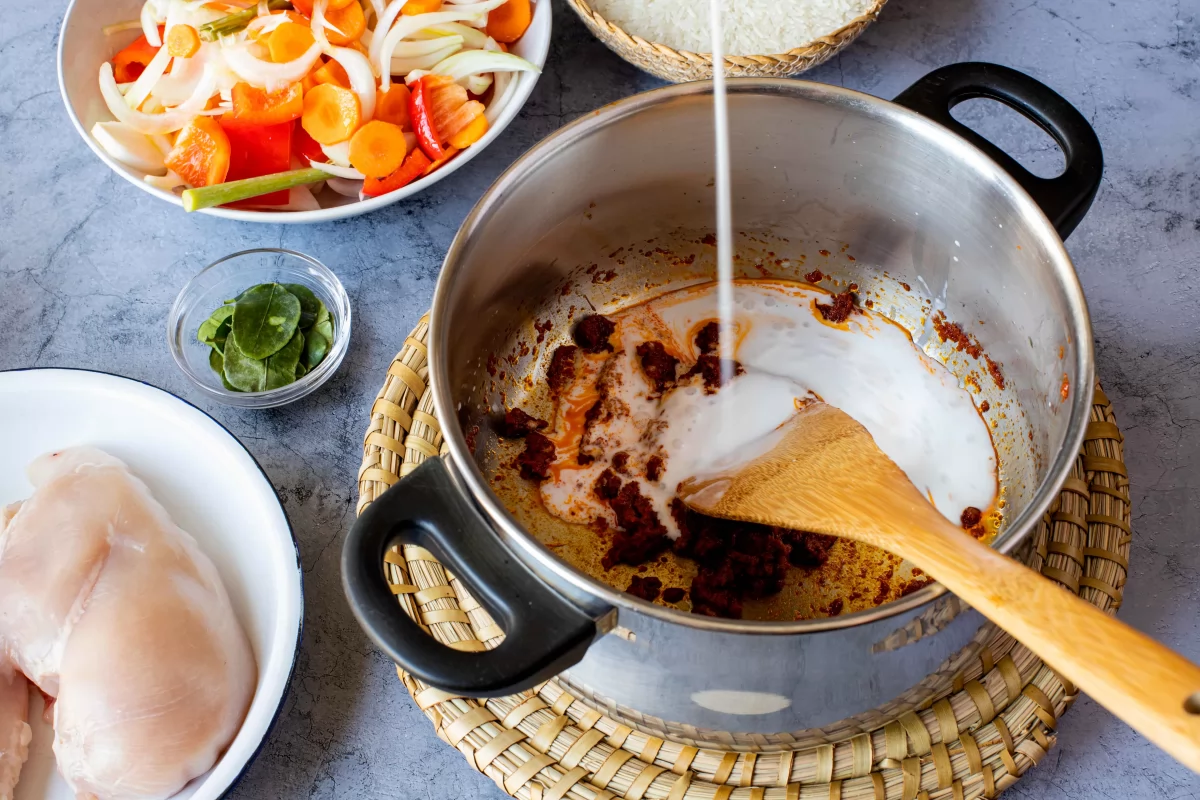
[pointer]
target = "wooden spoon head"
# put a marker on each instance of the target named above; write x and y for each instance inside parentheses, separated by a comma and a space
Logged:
(825, 474)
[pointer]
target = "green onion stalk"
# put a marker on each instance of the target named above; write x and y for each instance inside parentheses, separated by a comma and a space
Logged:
(221, 193)
(232, 23)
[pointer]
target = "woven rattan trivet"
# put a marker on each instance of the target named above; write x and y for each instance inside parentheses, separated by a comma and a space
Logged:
(546, 744)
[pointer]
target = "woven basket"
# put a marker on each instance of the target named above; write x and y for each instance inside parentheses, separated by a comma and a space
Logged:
(678, 66)
(995, 722)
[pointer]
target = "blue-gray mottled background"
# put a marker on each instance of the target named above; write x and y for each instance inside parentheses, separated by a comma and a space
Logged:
(89, 266)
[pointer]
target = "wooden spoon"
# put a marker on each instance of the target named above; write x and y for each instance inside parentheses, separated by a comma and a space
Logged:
(825, 474)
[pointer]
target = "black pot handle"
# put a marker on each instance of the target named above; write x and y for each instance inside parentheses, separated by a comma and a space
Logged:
(544, 632)
(1064, 199)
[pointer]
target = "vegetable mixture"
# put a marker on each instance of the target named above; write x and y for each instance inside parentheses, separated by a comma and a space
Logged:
(264, 105)
(271, 335)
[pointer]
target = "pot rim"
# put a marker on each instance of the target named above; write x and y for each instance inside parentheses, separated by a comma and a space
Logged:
(539, 556)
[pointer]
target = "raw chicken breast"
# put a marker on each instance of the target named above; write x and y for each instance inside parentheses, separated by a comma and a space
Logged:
(15, 733)
(107, 606)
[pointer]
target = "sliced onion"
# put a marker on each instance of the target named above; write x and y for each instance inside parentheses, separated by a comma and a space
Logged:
(410, 25)
(378, 7)
(257, 72)
(350, 173)
(415, 75)
(300, 198)
(473, 38)
(146, 82)
(502, 93)
(263, 9)
(426, 46)
(382, 25)
(162, 142)
(468, 62)
(131, 148)
(179, 83)
(149, 20)
(264, 24)
(358, 68)
(168, 183)
(405, 66)
(343, 186)
(478, 84)
(338, 154)
(151, 124)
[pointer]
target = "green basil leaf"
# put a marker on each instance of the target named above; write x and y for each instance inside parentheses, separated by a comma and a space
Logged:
(301, 370)
(265, 319)
(319, 339)
(244, 373)
(218, 366)
(281, 367)
(310, 304)
(210, 329)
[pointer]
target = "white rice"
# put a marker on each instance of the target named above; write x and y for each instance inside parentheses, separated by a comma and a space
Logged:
(752, 27)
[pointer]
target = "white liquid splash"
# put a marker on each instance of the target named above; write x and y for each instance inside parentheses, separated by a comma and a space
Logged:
(724, 233)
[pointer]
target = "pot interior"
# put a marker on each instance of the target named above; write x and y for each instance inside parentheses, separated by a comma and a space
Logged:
(617, 208)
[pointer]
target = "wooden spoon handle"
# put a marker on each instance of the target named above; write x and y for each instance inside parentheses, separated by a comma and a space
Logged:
(1153, 689)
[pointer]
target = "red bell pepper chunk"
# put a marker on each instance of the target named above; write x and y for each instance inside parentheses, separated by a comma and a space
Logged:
(415, 164)
(306, 147)
(130, 63)
(420, 113)
(259, 150)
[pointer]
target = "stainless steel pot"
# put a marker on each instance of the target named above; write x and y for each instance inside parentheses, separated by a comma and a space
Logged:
(920, 198)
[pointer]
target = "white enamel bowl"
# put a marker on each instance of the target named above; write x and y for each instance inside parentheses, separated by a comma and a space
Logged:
(83, 47)
(211, 486)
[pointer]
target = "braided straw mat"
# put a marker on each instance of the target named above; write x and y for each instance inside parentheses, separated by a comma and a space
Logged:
(678, 66)
(994, 723)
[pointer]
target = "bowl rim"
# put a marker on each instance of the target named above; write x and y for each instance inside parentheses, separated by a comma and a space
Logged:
(295, 390)
(277, 715)
(526, 81)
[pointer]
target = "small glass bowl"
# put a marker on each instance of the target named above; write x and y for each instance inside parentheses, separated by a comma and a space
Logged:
(227, 278)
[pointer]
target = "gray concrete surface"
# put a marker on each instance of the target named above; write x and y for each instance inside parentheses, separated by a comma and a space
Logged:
(89, 266)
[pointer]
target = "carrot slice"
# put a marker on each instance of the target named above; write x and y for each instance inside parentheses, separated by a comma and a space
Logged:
(331, 113)
(289, 41)
(333, 73)
(377, 149)
(414, 166)
(182, 41)
(201, 152)
(420, 7)
(471, 134)
(392, 106)
(129, 64)
(255, 106)
(510, 21)
(349, 21)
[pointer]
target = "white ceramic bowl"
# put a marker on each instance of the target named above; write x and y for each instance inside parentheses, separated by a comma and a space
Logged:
(83, 47)
(211, 486)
